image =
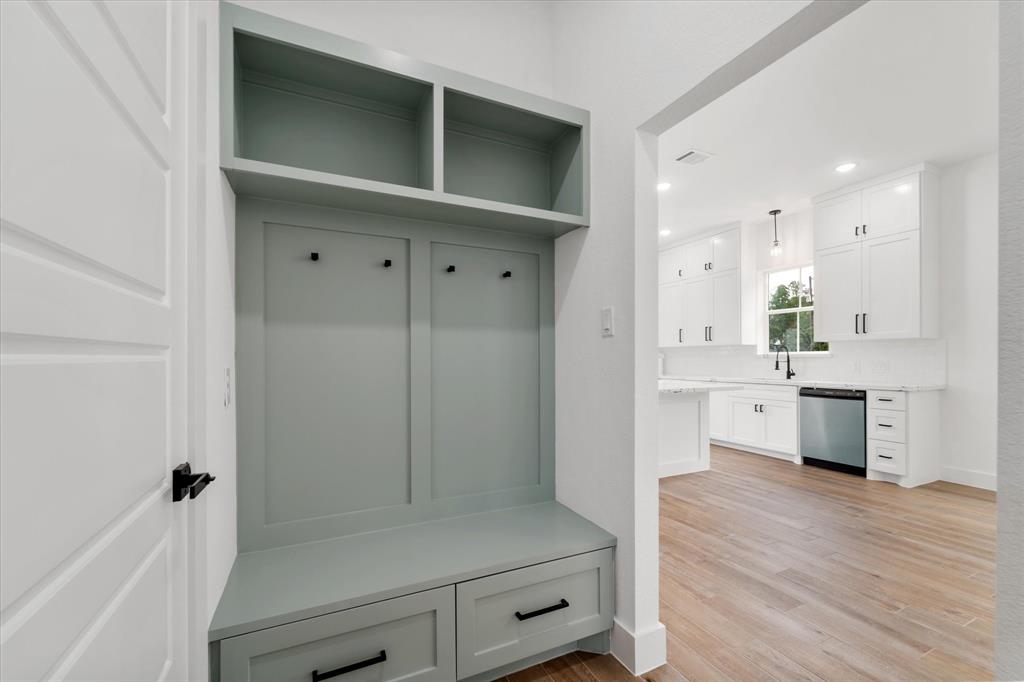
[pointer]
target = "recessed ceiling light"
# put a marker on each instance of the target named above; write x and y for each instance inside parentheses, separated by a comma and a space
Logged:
(845, 167)
(665, 233)
(662, 186)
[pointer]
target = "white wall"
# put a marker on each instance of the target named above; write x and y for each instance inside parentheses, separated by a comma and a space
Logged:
(625, 62)
(963, 359)
(969, 323)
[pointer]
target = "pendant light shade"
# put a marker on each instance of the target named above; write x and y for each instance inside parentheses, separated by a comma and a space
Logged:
(776, 249)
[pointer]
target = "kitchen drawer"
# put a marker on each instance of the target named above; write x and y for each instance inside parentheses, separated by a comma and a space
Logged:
(408, 638)
(888, 457)
(887, 400)
(505, 617)
(887, 425)
(767, 392)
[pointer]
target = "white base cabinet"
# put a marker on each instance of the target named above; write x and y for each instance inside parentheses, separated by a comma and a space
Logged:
(760, 418)
(902, 441)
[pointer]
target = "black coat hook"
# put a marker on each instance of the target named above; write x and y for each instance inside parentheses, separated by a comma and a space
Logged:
(506, 274)
(314, 255)
(387, 263)
(451, 268)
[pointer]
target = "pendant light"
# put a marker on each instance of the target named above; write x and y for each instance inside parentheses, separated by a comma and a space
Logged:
(776, 249)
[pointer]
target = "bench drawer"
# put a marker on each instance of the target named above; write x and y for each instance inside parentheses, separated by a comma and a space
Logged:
(505, 617)
(408, 638)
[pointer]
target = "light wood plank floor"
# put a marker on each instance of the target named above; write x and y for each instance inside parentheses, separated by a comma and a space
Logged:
(771, 571)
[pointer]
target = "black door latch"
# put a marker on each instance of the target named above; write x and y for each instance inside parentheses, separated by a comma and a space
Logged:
(184, 482)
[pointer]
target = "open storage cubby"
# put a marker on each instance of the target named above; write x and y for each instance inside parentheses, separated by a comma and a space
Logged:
(497, 152)
(304, 109)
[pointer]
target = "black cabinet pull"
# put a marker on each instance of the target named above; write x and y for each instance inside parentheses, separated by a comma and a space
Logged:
(884, 457)
(856, 324)
(379, 658)
(856, 230)
(888, 426)
(450, 268)
(562, 604)
(711, 266)
(885, 400)
(711, 333)
(314, 256)
(863, 229)
(506, 274)
(680, 272)
(680, 336)
(387, 262)
(864, 323)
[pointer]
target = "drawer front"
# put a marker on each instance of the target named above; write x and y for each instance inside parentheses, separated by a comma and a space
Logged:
(887, 400)
(767, 392)
(408, 638)
(887, 425)
(505, 617)
(888, 457)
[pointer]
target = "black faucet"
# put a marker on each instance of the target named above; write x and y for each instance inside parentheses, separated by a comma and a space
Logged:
(789, 370)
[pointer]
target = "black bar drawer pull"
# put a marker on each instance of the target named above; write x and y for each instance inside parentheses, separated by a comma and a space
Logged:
(885, 457)
(379, 658)
(888, 426)
(562, 604)
(885, 400)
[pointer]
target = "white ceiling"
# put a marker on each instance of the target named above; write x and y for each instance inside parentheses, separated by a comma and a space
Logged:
(893, 84)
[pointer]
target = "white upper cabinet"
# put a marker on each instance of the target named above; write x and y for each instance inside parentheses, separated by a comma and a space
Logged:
(670, 314)
(891, 207)
(876, 260)
(891, 287)
(837, 293)
(670, 265)
(725, 251)
(725, 309)
(837, 221)
(697, 259)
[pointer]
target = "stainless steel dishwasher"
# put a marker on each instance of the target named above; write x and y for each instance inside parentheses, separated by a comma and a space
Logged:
(832, 429)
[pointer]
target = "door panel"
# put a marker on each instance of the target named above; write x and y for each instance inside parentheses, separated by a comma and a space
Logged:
(780, 427)
(696, 256)
(837, 221)
(725, 251)
(725, 317)
(837, 293)
(892, 207)
(746, 423)
(718, 415)
(92, 553)
(697, 312)
(892, 286)
(670, 265)
(671, 302)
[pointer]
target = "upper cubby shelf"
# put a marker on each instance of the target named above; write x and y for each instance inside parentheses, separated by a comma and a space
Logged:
(311, 117)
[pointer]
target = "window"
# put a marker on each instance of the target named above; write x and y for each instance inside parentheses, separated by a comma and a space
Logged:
(791, 310)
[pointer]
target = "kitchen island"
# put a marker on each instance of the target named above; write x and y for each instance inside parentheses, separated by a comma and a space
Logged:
(684, 439)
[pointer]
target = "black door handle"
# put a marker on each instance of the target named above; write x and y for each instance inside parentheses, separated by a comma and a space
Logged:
(184, 482)
(562, 604)
(352, 667)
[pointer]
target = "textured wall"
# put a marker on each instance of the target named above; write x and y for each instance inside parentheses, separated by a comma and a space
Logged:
(1010, 543)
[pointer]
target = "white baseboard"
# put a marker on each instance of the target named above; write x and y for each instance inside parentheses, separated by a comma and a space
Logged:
(679, 468)
(795, 459)
(971, 477)
(642, 652)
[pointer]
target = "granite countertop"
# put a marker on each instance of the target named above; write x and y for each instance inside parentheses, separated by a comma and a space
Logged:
(797, 382)
(673, 385)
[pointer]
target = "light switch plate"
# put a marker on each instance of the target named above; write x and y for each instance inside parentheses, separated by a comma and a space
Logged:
(607, 321)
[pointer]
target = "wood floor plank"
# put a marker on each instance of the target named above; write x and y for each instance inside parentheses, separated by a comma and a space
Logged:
(772, 571)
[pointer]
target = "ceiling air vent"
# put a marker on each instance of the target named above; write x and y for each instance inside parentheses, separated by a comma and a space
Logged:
(694, 156)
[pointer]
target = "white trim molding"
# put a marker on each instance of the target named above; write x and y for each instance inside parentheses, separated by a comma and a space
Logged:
(639, 652)
(970, 477)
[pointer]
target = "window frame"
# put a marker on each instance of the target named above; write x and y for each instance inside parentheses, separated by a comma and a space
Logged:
(764, 346)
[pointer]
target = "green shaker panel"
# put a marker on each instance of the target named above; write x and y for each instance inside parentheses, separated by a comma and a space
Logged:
(336, 349)
(410, 638)
(485, 370)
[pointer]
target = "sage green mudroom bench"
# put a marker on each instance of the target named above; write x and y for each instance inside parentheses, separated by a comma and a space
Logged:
(395, 226)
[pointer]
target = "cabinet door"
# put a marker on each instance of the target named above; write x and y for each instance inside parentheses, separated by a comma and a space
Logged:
(696, 257)
(891, 286)
(725, 315)
(837, 221)
(696, 312)
(670, 265)
(746, 422)
(837, 293)
(718, 415)
(780, 427)
(670, 314)
(725, 251)
(892, 207)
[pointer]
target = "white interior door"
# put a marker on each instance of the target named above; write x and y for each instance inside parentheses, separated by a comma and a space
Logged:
(892, 287)
(670, 315)
(837, 293)
(93, 326)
